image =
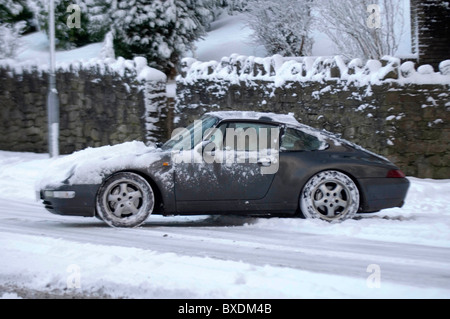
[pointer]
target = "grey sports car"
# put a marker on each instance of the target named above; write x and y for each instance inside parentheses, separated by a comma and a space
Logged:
(225, 163)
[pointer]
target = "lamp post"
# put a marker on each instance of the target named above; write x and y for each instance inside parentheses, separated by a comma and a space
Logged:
(52, 97)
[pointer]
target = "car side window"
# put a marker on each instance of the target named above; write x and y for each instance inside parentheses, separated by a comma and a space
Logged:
(246, 136)
(295, 140)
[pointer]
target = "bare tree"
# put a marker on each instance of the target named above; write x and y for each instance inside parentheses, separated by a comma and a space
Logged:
(362, 28)
(282, 26)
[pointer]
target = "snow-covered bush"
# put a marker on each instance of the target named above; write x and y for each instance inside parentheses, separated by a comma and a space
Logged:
(107, 50)
(14, 11)
(9, 39)
(282, 26)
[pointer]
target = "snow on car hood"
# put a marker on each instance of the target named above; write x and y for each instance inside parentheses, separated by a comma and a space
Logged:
(91, 165)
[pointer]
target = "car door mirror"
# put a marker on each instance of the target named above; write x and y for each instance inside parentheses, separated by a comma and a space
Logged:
(201, 146)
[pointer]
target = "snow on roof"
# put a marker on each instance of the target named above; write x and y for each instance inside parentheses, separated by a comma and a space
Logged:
(288, 119)
(252, 115)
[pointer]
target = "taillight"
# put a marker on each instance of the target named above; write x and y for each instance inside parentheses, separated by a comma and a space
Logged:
(395, 173)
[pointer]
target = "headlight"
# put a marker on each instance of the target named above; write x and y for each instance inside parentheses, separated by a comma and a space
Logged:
(59, 194)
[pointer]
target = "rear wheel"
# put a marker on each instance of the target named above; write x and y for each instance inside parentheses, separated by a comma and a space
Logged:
(331, 196)
(125, 200)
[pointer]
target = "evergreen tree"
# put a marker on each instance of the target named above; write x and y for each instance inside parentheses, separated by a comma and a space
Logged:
(160, 30)
(235, 5)
(94, 16)
(14, 11)
(99, 15)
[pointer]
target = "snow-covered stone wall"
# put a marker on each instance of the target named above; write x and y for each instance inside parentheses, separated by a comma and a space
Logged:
(387, 106)
(102, 102)
(279, 70)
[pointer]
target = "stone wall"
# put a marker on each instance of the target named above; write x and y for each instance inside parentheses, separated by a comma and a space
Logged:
(101, 103)
(389, 110)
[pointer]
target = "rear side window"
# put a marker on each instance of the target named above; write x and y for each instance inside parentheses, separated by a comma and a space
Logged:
(295, 140)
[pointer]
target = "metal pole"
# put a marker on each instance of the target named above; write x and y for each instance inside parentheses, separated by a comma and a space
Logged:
(52, 98)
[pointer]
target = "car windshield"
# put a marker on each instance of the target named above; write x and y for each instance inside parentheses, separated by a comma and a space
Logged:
(187, 138)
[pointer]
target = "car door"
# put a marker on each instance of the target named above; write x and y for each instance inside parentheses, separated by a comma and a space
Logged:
(239, 162)
(302, 154)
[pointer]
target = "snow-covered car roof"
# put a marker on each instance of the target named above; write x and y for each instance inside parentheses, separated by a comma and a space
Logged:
(251, 115)
(287, 119)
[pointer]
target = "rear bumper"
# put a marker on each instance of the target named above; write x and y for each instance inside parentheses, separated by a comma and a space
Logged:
(81, 204)
(382, 193)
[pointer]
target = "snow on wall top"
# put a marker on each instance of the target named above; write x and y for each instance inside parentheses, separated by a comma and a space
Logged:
(280, 69)
(137, 67)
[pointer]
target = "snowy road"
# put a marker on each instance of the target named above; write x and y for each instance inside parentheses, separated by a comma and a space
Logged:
(406, 251)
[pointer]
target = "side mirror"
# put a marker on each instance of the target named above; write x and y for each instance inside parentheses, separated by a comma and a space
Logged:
(201, 146)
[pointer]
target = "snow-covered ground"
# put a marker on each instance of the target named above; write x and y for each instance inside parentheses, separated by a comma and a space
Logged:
(396, 253)
(35, 48)
(228, 35)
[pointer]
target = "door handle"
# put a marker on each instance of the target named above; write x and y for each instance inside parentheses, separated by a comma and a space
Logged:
(264, 162)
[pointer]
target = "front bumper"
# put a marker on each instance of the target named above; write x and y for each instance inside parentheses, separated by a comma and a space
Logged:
(71, 200)
(383, 193)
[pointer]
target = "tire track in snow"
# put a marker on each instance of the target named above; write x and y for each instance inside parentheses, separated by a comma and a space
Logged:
(401, 263)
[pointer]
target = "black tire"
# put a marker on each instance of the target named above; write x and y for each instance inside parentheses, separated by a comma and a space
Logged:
(330, 196)
(125, 200)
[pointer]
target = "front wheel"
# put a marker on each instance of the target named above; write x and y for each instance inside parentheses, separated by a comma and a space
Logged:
(125, 200)
(330, 196)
